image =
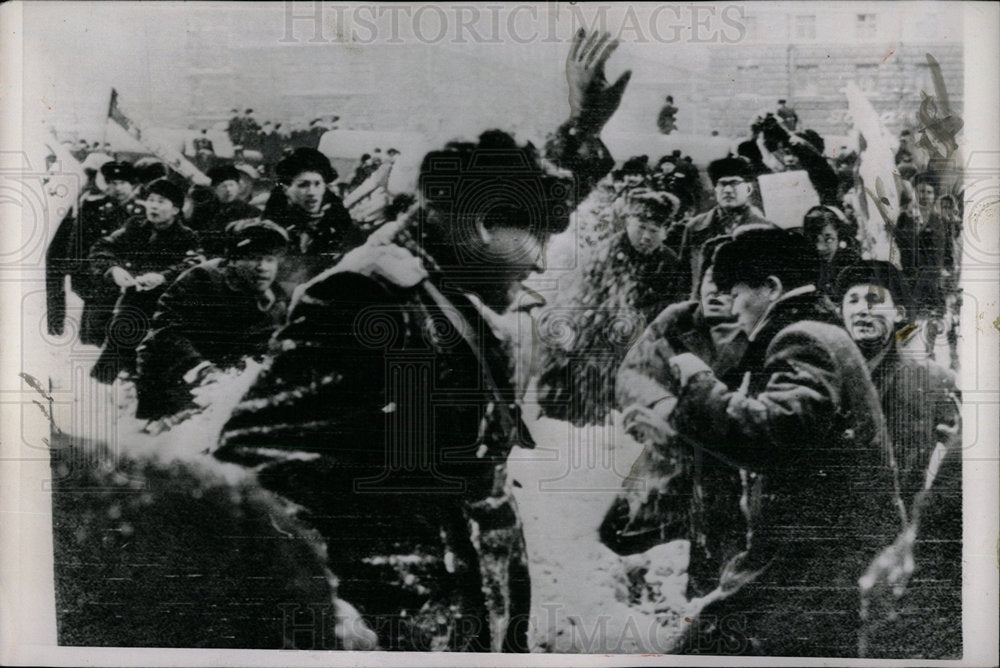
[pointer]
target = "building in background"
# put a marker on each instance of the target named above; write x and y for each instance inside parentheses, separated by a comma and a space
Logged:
(805, 53)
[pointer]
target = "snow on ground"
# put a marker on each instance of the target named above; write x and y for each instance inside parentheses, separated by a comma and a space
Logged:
(581, 595)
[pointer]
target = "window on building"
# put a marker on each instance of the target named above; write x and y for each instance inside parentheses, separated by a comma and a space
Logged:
(865, 27)
(866, 77)
(805, 27)
(804, 83)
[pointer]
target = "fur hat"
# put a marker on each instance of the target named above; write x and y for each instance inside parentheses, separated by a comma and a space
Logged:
(730, 166)
(168, 190)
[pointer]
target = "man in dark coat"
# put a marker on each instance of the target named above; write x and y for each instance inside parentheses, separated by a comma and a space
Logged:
(98, 215)
(808, 426)
(927, 247)
(922, 409)
(675, 492)
(666, 121)
(214, 315)
(137, 263)
(787, 115)
(734, 185)
(320, 229)
(393, 380)
(219, 208)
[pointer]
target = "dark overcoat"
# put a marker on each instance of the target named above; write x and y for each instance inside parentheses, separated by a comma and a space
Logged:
(97, 216)
(200, 318)
(409, 486)
(917, 395)
(138, 248)
(822, 494)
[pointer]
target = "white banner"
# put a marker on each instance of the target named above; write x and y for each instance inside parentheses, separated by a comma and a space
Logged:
(786, 197)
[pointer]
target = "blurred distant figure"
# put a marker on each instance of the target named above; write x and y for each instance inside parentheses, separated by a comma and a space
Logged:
(203, 143)
(926, 246)
(204, 151)
(666, 121)
(787, 115)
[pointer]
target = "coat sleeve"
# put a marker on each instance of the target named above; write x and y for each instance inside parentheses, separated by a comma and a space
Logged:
(167, 351)
(644, 373)
(56, 267)
(106, 251)
(582, 153)
(821, 174)
(189, 248)
(798, 404)
(326, 381)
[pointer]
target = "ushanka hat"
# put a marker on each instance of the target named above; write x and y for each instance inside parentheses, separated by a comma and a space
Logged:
(167, 190)
(728, 167)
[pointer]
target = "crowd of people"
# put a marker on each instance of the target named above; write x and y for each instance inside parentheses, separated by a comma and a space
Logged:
(808, 455)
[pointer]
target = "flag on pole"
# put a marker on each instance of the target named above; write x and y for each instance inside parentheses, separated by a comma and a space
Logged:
(118, 116)
(140, 131)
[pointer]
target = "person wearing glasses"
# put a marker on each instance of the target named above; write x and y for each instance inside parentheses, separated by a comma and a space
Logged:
(733, 180)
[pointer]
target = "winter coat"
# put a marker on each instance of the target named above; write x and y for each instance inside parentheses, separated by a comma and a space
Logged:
(315, 243)
(674, 492)
(388, 416)
(210, 218)
(200, 318)
(412, 444)
(926, 250)
(138, 248)
(917, 395)
(822, 499)
(98, 216)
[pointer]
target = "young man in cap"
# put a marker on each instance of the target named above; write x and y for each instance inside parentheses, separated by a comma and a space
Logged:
(219, 208)
(733, 180)
(215, 315)
(922, 409)
(393, 371)
(319, 227)
(137, 263)
(807, 425)
(98, 216)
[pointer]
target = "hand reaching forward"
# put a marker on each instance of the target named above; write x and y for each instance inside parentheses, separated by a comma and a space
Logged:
(592, 101)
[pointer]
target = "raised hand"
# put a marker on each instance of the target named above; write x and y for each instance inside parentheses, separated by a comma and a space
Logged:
(592, 101)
